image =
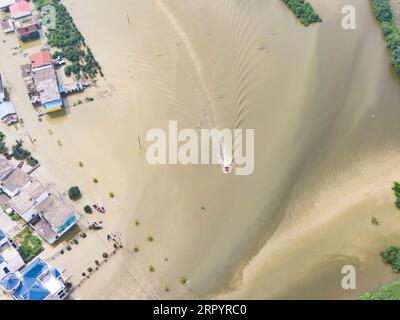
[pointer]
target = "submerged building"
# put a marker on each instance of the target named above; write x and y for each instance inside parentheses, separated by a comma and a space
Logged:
(7, 25)
(27, 29)
(6, 4)
(47, 87)
(2, 93)
(41, 82)
(20, 10)
(8, 114)
(42, 210)
(7, 111)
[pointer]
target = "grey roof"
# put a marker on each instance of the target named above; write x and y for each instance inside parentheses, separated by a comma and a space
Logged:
(45, 230)
(17, 180)
(6, 3)
(46, 84)
(24, 200)
(5, 168)
(55, 211)
(6, 109)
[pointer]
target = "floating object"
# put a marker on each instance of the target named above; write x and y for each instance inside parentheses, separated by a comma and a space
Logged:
(227, 169)
(99, 209)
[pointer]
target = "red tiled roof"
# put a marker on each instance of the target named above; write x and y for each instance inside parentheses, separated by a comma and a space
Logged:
(40, 59)
(27, 30)
(21, 6)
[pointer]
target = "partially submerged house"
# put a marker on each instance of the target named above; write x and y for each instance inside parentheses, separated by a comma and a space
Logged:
(20, 10)
(41, 59)
(6, 4)
(37, 281)
(5, 169)
(47, 86)
(27, 29)
(21, 21)
(2, 93)
(55, 218)
(7, 112)
(24, 203)
(41, 82)
(10, 259)
(7, 25)
(16, 181)
(44, 211)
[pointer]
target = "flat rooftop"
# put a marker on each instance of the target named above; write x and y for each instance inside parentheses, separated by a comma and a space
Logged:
(17, 180)
(24, 200)
(8, 252)
(54, 210)
(46, 84)
(44, 229)
(39, 280)
(5, 167)
(6, 3)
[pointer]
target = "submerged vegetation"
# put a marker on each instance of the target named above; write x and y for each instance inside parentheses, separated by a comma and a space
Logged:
(70, 43)
(39, 4)
(303, 11)
(32, 162)
(375, 221)
(19, 152)
(392, 291)
(74, 193)
(384, 14)
(3, 147)
(392, 256)
(396, 189)
(389, 292)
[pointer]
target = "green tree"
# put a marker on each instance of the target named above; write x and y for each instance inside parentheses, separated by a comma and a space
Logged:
(19, 152)
(74, 193)
(392, 256)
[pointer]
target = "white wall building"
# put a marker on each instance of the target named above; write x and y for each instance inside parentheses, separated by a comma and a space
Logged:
(37, 281)
(10, 259)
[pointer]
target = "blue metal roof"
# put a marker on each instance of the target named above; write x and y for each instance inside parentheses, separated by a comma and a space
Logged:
(1, 260)
(6, 108)
(30, 287)
(10, 282)
(56, 104)
(2, 235)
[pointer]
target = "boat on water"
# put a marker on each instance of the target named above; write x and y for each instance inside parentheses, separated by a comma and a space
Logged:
(99, 209)
(227, 169)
